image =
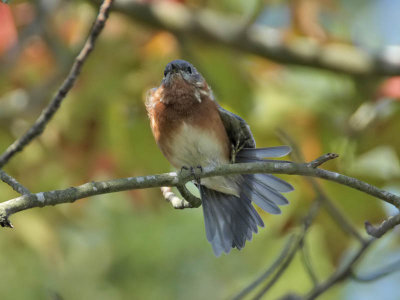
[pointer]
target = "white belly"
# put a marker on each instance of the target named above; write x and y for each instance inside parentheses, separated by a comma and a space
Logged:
(194, 146)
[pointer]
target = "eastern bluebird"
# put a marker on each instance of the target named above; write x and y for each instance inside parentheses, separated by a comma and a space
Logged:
(191, 129)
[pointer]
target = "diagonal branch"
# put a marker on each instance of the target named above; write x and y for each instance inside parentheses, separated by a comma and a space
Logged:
(305, 257)
(341, 273)
(270, 43)
(46, 115)
(312, 213)
(11, 181)
(284, 259)
(341, 220)
(292, 243)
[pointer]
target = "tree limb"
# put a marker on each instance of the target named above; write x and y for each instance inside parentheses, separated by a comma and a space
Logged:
(37, 128)
(71, 194)
(15, 185)
(260, 40)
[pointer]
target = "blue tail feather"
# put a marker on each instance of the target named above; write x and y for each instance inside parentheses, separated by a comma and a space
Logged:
(229, 220)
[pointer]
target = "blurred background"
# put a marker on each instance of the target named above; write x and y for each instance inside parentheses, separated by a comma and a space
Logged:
(133, 245)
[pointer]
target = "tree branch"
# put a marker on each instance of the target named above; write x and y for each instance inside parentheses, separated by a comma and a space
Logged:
(271, 269)
(341, 273)
(46, 115)
(322, 159)
(312, 213)
(340, 219)
(386, 225)
(305, 257)
(173, 179)
(15, 185)
(282, 262)
(260, 40)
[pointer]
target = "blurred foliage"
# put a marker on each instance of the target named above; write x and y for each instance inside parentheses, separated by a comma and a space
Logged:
(133, 245)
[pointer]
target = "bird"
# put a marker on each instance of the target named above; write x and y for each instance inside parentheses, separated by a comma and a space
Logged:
(193, 130)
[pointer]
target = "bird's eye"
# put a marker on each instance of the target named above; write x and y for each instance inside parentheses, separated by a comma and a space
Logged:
(165, 73)
(189, 70)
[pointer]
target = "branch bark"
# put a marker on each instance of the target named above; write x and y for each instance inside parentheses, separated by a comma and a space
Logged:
(72, 194)
(11, 181)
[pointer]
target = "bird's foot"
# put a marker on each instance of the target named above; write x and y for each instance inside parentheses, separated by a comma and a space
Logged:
(235, 149)
(193, 172)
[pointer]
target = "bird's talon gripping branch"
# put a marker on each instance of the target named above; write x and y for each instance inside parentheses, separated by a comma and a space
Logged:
(197, 178)
(193, 173)
(184, 172)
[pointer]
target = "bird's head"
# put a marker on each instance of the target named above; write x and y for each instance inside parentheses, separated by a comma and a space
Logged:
(178, 70)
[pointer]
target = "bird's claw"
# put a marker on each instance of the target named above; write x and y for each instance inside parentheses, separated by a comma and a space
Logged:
(235, 150)
(193, 172)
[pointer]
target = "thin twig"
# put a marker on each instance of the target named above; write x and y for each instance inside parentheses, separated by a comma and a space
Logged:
(384, 227)
(312, 213)
(11, 181)
(278, 261)
(305, 256)
(37, 128)
(323, 159)
(341, 220)
(172, 179)
(340, 274)
(282, 268)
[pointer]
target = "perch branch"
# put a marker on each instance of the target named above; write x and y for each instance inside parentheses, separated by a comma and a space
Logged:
(37, 128)
(173, 179)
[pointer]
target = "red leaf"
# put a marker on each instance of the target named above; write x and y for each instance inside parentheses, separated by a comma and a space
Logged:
(8, 31)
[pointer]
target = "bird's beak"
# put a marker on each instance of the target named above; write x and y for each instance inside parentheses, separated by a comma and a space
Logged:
(172, 76)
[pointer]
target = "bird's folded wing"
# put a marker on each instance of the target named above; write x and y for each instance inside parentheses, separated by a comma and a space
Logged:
(237, 129)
